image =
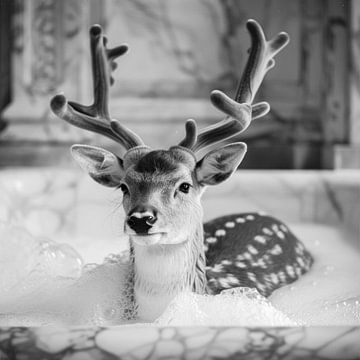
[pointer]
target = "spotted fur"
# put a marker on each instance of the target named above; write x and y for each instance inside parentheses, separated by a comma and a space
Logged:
(257, 250)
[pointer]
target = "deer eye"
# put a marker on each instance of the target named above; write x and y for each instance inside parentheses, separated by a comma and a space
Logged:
(185, 187)
(124, 189)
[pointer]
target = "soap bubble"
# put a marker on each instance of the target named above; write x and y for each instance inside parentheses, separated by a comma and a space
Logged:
(43, 282)
(52, 287)
(234, 307)
(32, 269)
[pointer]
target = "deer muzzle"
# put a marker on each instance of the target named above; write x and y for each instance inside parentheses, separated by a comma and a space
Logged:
(142, 219)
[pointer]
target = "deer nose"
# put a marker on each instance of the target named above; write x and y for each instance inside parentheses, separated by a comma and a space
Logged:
(141, 221)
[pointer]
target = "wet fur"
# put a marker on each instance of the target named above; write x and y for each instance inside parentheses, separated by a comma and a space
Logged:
(163, 271)
(177, 262)
(269, 270)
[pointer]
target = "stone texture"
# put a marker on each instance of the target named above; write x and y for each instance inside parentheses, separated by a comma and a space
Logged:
(136, 343)
(67, 205)
(167, 75)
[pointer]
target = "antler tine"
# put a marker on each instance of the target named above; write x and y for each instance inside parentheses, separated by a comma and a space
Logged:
(96, 117)
(191, 134)
(261, 60)
(240, 111)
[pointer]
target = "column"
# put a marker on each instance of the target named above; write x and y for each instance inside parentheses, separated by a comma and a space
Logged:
(50, 54)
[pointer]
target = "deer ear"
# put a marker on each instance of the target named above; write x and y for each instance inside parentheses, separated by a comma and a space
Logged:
(218, 165)
(102, 165)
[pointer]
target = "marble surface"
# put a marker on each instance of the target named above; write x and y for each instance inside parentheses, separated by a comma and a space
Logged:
(180, 343)
(67, 206)
(169, 66)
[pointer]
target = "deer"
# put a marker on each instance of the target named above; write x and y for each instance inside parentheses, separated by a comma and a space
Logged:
(172, 250)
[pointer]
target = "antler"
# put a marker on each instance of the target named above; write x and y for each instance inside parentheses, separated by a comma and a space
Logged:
(239, 111)
(96, 117)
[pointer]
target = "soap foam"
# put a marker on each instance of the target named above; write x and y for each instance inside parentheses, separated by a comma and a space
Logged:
(32, 270)
(27, 262)
(235, 307)
(43, 283)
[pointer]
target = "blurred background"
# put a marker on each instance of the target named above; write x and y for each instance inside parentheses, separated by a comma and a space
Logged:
(179, 51)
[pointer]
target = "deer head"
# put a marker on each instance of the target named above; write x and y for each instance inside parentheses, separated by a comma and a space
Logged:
(162, 188)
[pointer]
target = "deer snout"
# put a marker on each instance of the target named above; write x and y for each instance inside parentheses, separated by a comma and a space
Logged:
(142, 220)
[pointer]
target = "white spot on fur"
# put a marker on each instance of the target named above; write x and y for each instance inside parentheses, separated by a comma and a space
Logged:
(260, 263)
(240, 257)
(206, 248)
(217, 268)
(298, 271)
(276, 250)
(226, 262)
(275, 227)
(262, 213)
(274, 278)
(220, 232)
(300, 261)
(232, 279)
(230, 224)
(240, 220)
(251, 276)
(280, 234)
(250, 217)
(247, 256)
(252, 250)
(299, 249)
(282, 276)
(284, 228)
(240, 264)
(267, 231)
(224, 283)
(290, 270)
(211, 240)
(261, 239)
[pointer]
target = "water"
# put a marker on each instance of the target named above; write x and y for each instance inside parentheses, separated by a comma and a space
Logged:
(43, 283)
(330, 293)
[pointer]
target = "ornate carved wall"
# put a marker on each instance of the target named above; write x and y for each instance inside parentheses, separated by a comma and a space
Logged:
(49, 54)
(180, 50)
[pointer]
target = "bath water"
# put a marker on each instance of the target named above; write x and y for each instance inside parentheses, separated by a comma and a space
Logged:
(43, 282)
(330, 293)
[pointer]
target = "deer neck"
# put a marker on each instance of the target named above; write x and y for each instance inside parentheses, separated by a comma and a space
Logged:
(163, 271)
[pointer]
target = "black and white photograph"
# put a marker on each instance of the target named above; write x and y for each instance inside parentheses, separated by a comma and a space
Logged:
(179, 179)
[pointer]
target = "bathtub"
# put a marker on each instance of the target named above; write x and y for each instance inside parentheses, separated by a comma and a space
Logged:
(66, 206)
